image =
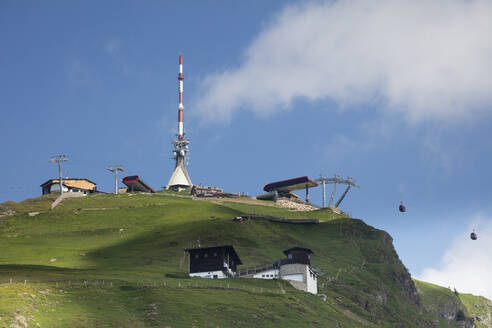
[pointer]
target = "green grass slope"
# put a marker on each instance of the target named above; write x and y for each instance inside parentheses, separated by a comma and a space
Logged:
(480, 308)
(462, 310)
(118, 261)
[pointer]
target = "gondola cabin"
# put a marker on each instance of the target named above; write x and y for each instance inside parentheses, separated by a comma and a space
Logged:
(213, 262)
(402, 208)
(473, 236)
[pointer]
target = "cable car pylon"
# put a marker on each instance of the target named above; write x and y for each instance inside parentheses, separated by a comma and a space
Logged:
(350, 182)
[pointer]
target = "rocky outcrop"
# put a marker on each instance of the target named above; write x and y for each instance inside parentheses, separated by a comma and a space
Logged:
(7, 209)
(481, 311)
(295, 205)
(404, 280)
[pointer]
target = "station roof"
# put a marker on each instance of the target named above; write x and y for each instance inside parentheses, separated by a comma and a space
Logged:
(135, 182)
(79, 183)
(290, 184)
(302, 249)
(227, 248)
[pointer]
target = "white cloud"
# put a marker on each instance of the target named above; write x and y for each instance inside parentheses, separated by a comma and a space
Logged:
(428, 60)
(467, 264)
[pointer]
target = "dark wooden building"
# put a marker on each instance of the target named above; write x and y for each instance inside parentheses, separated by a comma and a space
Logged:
(299, 255)
(213, 262)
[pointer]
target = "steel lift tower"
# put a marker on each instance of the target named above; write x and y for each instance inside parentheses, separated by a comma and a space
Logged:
(350, 182)
(115, 169)
(180, 179)
(59, 159)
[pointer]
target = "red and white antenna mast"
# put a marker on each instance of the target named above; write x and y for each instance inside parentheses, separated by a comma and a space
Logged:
(180, 107)
(180, 178)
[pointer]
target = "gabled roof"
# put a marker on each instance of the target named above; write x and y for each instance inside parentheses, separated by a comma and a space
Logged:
(73, 182)
(228, 248)
(290, 184)
(307, 250)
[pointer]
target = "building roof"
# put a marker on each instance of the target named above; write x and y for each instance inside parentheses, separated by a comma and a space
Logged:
(291, 184)
(307, 250)
(79, 183)
(137, 183)
(228, 248)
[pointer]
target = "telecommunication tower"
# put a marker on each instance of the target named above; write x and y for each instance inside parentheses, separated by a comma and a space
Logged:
(180, 179)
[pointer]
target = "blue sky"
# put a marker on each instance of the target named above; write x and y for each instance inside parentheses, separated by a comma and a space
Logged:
(395, 94)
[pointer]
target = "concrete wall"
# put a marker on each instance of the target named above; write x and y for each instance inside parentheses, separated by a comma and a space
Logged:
(294, 273)
(65, 196)
(301, 276)
(312, 281)
(298, 285)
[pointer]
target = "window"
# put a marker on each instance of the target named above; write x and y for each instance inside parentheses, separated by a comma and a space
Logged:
(263, 276)
(289, 256)
(215, 253)
(205, 255)
(196, 256)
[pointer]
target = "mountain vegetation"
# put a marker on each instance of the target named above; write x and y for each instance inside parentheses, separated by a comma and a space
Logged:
(118, 261)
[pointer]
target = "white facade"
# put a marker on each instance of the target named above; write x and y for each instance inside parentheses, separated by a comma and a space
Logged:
(301, 276)
(311, 280)
(269, 274)
(56, 187)
(210, 275)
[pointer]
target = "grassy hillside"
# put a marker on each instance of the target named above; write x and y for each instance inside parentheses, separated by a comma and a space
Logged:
(118, 261)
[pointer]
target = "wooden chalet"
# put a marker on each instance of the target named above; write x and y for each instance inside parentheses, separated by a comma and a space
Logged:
(85, 186)
(213, 262)
(299, 255)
